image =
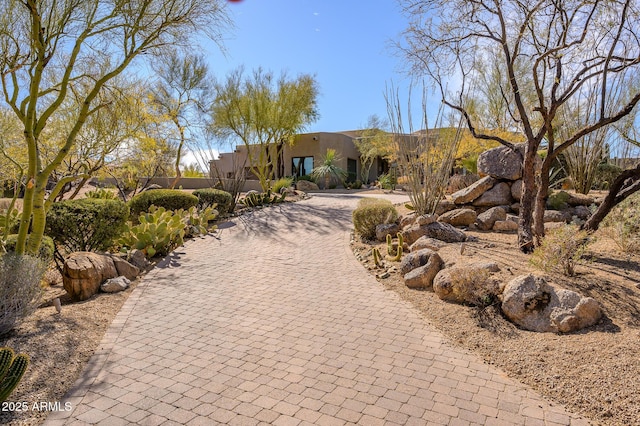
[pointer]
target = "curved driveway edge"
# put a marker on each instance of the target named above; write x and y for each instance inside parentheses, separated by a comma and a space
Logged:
(275, 322)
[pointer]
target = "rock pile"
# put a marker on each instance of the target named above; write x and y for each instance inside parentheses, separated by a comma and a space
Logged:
(492, 202)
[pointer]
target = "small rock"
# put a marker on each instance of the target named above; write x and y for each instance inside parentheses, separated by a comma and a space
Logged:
(114, 285)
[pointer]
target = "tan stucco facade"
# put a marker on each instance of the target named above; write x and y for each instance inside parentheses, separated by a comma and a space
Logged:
(305, 146)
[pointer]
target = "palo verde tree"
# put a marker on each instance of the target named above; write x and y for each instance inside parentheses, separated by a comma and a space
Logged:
(374, 141)
(181, 94)
(50, 47)
(551, 53)
(264, 113)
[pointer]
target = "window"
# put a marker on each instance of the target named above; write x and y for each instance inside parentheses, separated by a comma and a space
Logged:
(352, 169)
(301, 166)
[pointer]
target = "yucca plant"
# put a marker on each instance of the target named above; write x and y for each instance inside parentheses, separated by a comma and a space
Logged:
(329, 169)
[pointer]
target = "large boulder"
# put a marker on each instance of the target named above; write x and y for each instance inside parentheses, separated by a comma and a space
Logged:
(486, 220)
(407, 220)
(445, 232)
(385, 229)
(516, 190)
(472, 284)
(505, 226)
(473, 191)
(414, 260)
(531, 303)
(422, 276)
(444, 206)
(306, 186)
(427, 243)
(502, 162)
(499, 195)
(83, 272)
(458, 217)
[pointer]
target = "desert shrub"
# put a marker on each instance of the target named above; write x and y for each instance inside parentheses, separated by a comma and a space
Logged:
(473, 285)
(306, 177)
(605, 175)
(45, 252)
(357, 184)
(20, 289)
(102, 194)
(558, 200)
(281, 183)
(216, 198)
(622, 225)
(170, 199)
(372, 212)
(561, 250)
(88, 224)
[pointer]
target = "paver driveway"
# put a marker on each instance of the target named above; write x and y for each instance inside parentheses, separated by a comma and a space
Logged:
(275, 322)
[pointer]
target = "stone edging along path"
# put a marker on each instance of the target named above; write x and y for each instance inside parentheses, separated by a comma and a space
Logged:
(274, 321)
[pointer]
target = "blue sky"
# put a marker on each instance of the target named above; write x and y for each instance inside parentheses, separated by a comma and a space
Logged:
(345, 44)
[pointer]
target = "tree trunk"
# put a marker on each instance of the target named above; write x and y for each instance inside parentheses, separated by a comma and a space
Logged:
(527, 200)
(627, 183)
(541, 201)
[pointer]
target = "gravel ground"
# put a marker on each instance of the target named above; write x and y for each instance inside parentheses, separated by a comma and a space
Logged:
(594, 372)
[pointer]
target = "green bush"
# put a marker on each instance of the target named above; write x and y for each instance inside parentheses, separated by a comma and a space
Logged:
(284, 182)
(558, 200)
(88, 224)
(20, 290)
(170, 199)
(46, 247)
(372, 212)
(307, 178)
(605, 175)
(561, 250)
(622, 224)
(217, 198)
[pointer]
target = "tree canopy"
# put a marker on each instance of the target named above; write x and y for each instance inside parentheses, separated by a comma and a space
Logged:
(549, 54)
(49, 49)
(263, 112)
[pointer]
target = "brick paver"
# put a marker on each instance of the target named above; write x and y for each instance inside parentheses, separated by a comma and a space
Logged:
(275, 322)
